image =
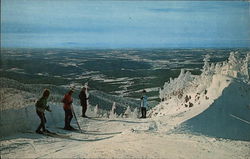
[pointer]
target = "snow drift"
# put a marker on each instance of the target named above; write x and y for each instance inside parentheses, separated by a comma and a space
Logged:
(227, 117)
(216, 103)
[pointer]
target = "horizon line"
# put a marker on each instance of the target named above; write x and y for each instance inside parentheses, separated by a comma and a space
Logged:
(120, 48)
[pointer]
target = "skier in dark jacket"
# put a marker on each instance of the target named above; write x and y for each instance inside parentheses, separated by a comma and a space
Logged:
(41, 106)
(83, 100)
(144, 104)
(68, 100)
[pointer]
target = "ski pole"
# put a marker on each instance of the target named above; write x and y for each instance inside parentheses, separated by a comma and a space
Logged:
(76, 118)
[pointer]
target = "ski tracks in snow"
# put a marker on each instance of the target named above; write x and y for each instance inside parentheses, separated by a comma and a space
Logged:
(109, 138)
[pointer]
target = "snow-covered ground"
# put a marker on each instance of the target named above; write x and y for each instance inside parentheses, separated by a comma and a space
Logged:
(204, 116)
(120, 138)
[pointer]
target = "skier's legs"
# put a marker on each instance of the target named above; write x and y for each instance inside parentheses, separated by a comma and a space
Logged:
(42, 119)
(66, 119)
(70, 116)
(141, 112)
(84, 109)
(145, 112)
(45, 121)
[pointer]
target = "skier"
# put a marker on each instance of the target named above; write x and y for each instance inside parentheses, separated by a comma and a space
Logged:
(83, 100)
(144, 104)
(68, 100)
(41, 106)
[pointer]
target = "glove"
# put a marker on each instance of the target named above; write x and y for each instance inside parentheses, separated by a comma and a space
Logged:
(48, 109)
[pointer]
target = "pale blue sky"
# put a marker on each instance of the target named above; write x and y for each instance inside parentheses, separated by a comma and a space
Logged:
(124, 24)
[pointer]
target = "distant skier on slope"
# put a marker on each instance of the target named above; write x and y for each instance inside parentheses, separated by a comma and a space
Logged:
(68, 100)
(83, 100)
(41, 106)
(144, 104)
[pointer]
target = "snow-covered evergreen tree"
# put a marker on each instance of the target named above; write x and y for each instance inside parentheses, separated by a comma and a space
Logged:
(96, 111)
(175, 87)
(206, 67)
(112, 113)
(135, 113)
(180, 88)
(128, 112)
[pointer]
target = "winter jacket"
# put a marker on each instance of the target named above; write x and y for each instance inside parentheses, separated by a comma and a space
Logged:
(144, 101)
(41, 105)
(67, 100)
(83, 98)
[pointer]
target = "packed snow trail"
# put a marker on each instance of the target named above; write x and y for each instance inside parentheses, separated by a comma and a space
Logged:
(101, 140)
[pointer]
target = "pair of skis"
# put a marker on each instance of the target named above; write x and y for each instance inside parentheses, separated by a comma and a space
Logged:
(50, 134)
(53, 134)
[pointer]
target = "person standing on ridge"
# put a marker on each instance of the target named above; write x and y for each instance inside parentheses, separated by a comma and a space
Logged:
(41, 106)
(83, 100)
(144, 104)
(68, 100)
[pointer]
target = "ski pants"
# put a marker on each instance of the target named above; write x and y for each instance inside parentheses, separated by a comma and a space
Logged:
(42, 119)
(143, 112)
(84, 109)
(68, 117)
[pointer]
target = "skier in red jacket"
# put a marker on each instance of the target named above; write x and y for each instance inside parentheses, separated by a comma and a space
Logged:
(68, 100)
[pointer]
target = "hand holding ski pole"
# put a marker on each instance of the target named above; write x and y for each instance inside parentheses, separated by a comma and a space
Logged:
(48, 109)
